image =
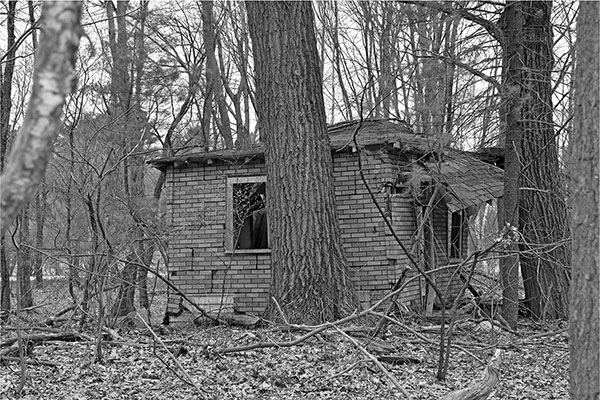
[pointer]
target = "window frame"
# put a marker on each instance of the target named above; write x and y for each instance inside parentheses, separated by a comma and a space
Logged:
(462, 214)
(233, 180)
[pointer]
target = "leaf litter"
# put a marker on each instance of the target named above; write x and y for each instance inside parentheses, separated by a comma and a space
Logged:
(323, 367)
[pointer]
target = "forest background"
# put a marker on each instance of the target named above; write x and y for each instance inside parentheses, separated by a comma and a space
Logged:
(157, 79)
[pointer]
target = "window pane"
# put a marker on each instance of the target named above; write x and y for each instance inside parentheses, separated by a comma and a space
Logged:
(250, 215)
(456, 234)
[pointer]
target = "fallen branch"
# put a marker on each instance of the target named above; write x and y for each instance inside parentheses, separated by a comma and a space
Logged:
(423, 337)
(31, 362)
(55, 318)
(481, 389)
(27, 309)
(187, 376)
(263, 345)
(64, 337)
(375, 361)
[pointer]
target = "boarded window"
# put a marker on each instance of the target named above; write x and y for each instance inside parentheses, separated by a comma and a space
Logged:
(247, 219)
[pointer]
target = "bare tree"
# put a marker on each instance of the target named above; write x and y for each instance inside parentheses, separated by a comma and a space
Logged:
(546, 252)
(309, 276)
(128, 121)
(214, 87)
(509, 210)
(5, 106)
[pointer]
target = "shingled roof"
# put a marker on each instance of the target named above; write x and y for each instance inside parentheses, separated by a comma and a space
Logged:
(373, 132)
(468, 180)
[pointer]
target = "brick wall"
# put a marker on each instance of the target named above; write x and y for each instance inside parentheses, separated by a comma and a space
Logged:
(199, 263)
(202, 267)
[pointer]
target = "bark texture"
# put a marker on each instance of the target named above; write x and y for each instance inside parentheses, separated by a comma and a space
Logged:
(53, 79)
(309, 277)
(5, 105)
(511, 112)
(584, 198)
(545, 254)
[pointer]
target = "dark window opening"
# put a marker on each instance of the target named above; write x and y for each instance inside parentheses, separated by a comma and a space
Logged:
(456, 231)
(250, 216)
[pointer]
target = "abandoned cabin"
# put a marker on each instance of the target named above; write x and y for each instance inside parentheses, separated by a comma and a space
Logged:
(219, 252)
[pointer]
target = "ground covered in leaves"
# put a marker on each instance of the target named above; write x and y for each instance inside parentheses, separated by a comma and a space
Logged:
(326, 366)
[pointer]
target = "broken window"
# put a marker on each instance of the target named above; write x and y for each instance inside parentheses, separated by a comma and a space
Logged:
(248, 213)
(455, 237)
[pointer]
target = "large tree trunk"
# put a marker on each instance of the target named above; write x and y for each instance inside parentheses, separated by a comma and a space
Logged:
(545, 255)
(584, 199)
(309, 276)
(509, 208)
(52, 80)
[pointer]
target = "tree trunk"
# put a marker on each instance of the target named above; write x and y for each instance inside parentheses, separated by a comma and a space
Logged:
(7, 76)
(511, 114)
(214, 89)
(584, 199)
(91, 275)
(545, 255)
(337, 62)
(386, 73)
(52, 80)
(40, 220)
(5, 105)
(24, 260)
(73, 261)
(309, 274)
(128, 120)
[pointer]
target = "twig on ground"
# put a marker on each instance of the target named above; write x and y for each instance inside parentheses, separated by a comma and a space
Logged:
(375, 360)
(187, 376)
(481, 389)
(423, 337)
(342, 372)
(280, 311)
(31, 362)
(26, 309)
(262, 345)
(546, 334)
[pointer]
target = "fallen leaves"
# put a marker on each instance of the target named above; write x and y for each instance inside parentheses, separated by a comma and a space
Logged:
(326, 367)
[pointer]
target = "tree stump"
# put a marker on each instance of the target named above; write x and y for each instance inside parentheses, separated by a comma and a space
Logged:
(481, 389)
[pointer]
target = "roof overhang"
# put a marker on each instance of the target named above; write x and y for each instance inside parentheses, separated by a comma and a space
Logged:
(467, 180)
(369, 133)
